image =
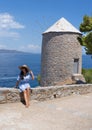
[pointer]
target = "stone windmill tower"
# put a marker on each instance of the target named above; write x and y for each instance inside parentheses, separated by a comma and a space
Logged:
(61, 54)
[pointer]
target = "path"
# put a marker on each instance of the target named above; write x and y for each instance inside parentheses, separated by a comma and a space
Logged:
(67, 113)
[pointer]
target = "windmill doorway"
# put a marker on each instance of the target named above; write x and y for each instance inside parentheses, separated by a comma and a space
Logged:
(76, 66)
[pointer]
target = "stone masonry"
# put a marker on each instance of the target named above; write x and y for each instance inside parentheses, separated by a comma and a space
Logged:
(11, 95)
(58, 53)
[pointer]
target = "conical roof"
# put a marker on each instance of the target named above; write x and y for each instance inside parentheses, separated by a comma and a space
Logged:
(62, 25)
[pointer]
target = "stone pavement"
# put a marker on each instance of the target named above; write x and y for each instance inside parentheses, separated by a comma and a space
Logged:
(67, 113)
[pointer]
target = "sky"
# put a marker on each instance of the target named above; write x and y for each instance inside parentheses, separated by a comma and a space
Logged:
(22, 22)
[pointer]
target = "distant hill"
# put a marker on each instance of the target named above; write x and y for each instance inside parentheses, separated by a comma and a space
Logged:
(10, 51)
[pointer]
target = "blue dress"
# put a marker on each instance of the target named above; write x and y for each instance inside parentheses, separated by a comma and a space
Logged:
(24, 83)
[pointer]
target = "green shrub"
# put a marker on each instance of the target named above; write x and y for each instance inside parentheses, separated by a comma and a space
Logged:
(39, 78)
(87, 73)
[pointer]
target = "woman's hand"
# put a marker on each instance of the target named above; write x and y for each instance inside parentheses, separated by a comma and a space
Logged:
(15, 87)
(17, 83)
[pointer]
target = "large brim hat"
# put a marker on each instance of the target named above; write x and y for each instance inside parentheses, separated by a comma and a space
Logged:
(24, 66)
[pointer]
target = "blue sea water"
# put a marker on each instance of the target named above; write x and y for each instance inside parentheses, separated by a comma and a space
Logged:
(9, 71)
(9, 63)
(86, 61)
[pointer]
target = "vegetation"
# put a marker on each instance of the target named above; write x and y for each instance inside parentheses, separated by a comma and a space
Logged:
(87, 73)
(86, 41)
(39, 78)
(86, 29)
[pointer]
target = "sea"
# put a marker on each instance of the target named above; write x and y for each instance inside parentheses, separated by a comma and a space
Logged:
(9, 70)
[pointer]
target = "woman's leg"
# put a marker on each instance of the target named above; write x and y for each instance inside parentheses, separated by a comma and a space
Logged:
(28, 95)
(26, 98)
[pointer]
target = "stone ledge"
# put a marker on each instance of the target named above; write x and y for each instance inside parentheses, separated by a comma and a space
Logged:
(10, 95)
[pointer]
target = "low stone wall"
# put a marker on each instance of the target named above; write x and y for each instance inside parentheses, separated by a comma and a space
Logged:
(9, 95)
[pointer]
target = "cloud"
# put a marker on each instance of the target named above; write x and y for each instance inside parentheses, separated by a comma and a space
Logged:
(8, 25)
(83, 50)
(9, 34)
(7, 22)
(2, 46)
(31, 48)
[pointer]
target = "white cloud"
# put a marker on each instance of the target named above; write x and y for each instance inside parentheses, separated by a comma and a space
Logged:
(7, 22)
(31, 48)
(2, 46)
(83, 50)
(7, 26)
(9, 34)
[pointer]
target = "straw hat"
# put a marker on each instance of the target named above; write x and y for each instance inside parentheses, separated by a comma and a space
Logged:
(24, 66)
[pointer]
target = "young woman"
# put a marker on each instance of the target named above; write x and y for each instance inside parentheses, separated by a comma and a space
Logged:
(23, 82)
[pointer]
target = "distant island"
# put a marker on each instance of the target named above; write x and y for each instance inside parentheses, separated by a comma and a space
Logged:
(11, 51)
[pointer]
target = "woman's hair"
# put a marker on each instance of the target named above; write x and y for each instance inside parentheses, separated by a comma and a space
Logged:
(22, 73)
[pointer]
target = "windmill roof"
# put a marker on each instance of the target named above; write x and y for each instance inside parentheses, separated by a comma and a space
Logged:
(62, 25)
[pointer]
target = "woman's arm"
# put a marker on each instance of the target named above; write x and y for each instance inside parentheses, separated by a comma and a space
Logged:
(17, 83)
(32, 75)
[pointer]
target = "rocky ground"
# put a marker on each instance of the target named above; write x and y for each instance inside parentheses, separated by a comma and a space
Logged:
(67, 113)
